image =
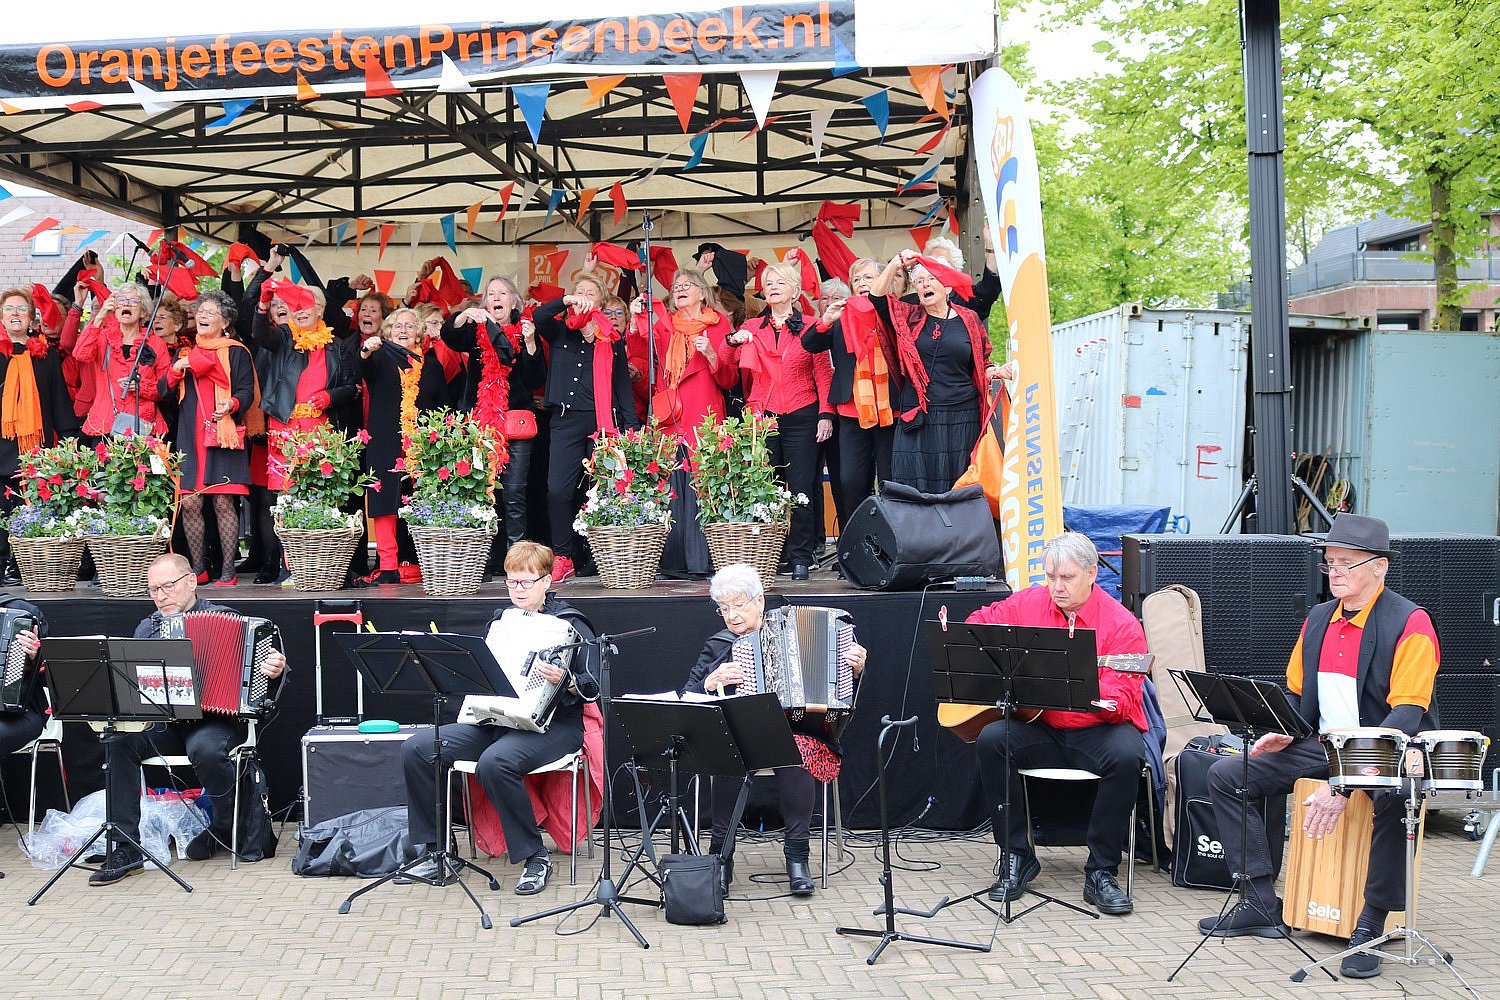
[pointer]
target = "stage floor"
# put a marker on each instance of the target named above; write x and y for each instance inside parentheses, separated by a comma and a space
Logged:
(262, 932)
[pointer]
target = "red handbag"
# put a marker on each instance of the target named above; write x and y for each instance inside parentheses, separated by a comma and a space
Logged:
(519, 425)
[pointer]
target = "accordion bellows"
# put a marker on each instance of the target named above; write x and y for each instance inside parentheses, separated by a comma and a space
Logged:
(228, 650)
(798, 655)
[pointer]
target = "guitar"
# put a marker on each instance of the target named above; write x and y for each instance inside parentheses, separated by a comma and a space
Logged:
(966, 721)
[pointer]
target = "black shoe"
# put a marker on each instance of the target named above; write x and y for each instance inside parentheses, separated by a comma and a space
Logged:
(428, 873)
(799, 878)
(1361, 964)
(121, 863)
(799, 572)
(1015, 871)
(270, 575)
(534, 876)
(1102, 890)
(202, 847)
(1244, 920)
(726, 876)
(383, 576)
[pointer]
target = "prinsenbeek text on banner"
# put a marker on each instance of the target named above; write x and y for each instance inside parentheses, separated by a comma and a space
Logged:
(1030, 502)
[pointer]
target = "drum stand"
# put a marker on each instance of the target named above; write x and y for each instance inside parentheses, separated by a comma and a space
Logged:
(1416, 942)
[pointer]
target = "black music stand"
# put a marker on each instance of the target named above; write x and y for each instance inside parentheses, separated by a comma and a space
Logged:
(1006, 667)
(139, 682)
(437, 664)
(1245, 706)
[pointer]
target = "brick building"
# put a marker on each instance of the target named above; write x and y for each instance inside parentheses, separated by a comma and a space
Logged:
(1365, 270)
(46, 258)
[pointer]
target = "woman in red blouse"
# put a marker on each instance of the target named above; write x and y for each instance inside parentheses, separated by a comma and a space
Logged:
(107, 347)
(783, 380)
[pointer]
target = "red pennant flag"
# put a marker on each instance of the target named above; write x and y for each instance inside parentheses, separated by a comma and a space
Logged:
(41, 227)
(377, 80)
(617, 195)
(585, 199)
(683, 89)
(383, 279)
(617, 256)
(154, 235)
(952, 219)
(84, 106)
(919, 237)
(45, 307)
(947, 276)
(238, 252)
(360, 225)
(505, 194)
(295, 296)
(932, 143)
(387, 230)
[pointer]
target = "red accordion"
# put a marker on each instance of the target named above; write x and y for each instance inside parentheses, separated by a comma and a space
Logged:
(228, 650)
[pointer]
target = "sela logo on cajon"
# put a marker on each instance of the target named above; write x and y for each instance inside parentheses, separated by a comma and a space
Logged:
(1322, 911)
(1210, 848)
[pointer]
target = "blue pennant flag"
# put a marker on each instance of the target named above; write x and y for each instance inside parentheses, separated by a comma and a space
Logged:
(697, 143)
(448, 235)
(340, 233)
(91, 238)
(532, 99)
(4, 194)
(232, 110)
(553, 201)
(879, 106)
(931, 212)
(294, 270)
(473, 275)
(843, 59)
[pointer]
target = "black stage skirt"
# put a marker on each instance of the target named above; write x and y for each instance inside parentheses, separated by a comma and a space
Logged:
(932, 454)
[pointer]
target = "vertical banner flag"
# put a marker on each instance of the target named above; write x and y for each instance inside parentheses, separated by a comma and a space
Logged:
(1030, 508)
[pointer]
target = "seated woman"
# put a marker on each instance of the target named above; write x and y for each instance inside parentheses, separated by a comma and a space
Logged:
(505, 755)
(741, 600)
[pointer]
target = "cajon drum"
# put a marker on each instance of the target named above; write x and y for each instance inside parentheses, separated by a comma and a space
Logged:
(1325, 879)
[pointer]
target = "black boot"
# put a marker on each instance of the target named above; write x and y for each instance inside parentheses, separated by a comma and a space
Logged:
(799, 877)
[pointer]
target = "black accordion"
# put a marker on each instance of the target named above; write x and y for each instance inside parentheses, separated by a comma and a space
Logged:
(19, 677)
(798, 655)
(228, 650)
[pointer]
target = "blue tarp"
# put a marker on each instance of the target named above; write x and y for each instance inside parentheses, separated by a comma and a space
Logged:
(1105, 524)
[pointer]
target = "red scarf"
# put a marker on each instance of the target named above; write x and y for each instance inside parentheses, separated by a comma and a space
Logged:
(948, 277)
(604, 363)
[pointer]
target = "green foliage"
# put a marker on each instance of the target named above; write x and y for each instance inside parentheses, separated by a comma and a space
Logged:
(629, 480)
(59, 478)
(732, 474)
(323, 473)
(453, 461)
(136, 484)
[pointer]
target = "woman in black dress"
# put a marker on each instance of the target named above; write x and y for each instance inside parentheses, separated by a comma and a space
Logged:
(391, 367)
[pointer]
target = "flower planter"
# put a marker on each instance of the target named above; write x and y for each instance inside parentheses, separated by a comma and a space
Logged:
(122, 561)
(759, 545)
(452, 559)
(48, 565)
(318, 557)
(628, 557)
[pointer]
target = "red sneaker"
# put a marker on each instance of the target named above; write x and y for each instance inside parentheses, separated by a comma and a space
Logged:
(562, 568)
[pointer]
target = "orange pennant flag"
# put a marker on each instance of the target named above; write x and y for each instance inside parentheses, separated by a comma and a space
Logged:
(377, 80)
(304, 89)
(70, 230)
(929, 83)
(617, 195)
(359, 233)
(473, 215)
(599, 86)
(384, 279)
(84, 106)
(505, 194)
(683, 89)
(387, 230)
(9, 109)
(585, 199)
(919, 236)
(41, 227)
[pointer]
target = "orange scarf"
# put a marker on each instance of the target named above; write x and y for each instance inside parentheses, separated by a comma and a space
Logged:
(22, 405)
(255, 420)
(872, 390)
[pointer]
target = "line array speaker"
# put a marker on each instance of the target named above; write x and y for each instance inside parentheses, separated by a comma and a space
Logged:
(1457, 579)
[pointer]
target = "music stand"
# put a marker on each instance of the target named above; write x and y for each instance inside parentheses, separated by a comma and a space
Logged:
(110, 682)
(1244, 706)
(1006, 667)
(438, 664)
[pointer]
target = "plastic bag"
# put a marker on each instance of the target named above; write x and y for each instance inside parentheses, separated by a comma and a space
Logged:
(62, 833)
(168, 815)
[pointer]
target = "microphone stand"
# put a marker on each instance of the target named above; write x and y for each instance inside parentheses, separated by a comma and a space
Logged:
(648, 224)
(145, 332)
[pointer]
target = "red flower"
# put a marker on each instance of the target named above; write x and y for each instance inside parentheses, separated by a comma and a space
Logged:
(400, 465)
(44, 492)
(326, 467)
(663, 486)
(141, 470)
(652, 469)
(139, 482)
(83, 473)
(101, 450)
(432, 437)
(30, 471)
(375, 486)
(462, 467)
(363, 437)
(443, 473)
(82, 489)
(622, 487)
(55, 479)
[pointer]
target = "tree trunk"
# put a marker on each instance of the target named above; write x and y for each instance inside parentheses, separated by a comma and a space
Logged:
(1449, 309)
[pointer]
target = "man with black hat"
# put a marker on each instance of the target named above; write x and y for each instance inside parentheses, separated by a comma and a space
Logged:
(1366, 658)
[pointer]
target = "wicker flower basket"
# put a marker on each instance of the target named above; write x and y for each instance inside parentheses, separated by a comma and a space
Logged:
(452, 559)
(123, 560)
(48, 565)
(319, 558)
(759, 545)
(628, 557)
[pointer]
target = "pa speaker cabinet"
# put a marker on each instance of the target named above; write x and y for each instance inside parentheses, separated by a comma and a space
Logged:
(1457, 579)
(1256, 590)
(1470, 701)
(344, 770)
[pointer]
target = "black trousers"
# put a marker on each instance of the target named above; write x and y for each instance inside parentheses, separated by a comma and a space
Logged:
(864, 460)
(1113, 751)
(798, 790)
(206, 743)
(1275, 774)
(505, 757)
(513, 490)
(20, 729)
(794, 452)
(569, 447)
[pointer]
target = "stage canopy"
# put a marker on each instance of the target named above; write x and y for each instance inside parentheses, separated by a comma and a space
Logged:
(726, 120)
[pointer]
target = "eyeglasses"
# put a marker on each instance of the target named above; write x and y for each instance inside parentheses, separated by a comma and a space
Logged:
(683, 286)
(524, 584)
(737, 608)
(15, 308)
(613, 312)
(1338, 569)
(159, 589)
(404, 326)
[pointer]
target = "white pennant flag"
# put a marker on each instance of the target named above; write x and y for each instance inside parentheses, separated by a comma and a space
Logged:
(820, 119)
(453, 81)
(523, 194)
(150, 99)
(416, 235)
(19, 212)
(760, 87)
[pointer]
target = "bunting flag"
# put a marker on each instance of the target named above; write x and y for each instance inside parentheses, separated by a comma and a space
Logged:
(383, 280)
(760, 87)
(79, 107)
(39, 228)
(926, 172)
(553, 201)
(387, 230)
(599, 86)
(150, 100)
(232, 111)
(360, 225)
(531, 98)
(339, 232)
(72, 230)
(447, 224)
(4, 194)
(919, 237)
(474, 276)
(414, 231)
(929, 83)
(952, 219)
(585, 199)
(844, 62)
(9, 108)
(473, 216)
(453, 81)
(505, 193)
(293, 270)
(931, 212)
(304, 89)
(377, 80)
(524, 193)
(879, 106)
(697, 143)
(683, 89)
(90, 239)
(932, 143)
(617, 196)
(820, 119)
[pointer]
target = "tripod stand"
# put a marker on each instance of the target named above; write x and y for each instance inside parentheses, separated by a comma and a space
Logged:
(1252, 487)
(606, 893)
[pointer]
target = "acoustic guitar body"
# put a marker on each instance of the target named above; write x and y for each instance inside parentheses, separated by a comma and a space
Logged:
(966, 721)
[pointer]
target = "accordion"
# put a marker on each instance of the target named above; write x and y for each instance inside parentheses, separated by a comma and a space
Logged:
(519, 639)
(15, 691)
(228, 650)
(798, 655)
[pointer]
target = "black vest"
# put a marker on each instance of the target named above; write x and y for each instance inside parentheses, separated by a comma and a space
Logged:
(1377, 653)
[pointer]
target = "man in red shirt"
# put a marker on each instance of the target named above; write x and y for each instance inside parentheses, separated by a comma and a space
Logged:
(1374, 658)
(1107, 742)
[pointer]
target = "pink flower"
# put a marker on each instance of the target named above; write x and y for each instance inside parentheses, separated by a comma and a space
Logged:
(443, 473)
(663, 486)
(375, 486)
(652, 468)
(139, 482)
(400, 465)
(140, 469)
(363, 437)
(432, 437)
(55, 480)
(462, 467)
(326, 468)
(30, 471)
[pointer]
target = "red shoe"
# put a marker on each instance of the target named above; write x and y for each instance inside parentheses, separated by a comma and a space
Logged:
(233, 581)
(202, 578)
(562, 568)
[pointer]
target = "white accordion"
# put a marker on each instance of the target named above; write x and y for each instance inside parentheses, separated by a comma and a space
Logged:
(798, 655)
(520, 640)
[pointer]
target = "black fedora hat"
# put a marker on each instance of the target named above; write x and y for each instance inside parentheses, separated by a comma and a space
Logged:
(1356, 531)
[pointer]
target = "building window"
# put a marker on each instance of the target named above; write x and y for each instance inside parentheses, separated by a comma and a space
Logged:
(1470, 320)
(48, 244)
(1398, 320)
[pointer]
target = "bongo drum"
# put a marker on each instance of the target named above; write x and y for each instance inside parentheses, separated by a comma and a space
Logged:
(1366, 757)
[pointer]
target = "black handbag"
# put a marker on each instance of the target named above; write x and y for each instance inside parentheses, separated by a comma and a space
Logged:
(690, 888)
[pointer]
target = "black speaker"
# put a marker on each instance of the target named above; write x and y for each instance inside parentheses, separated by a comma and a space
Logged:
(901, 539)
(1457, 579)
(1256, 591)
(1469, 701)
